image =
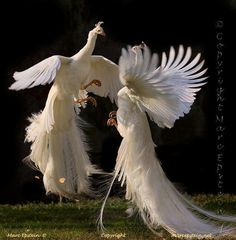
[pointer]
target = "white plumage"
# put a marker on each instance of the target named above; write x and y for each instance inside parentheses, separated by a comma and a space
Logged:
(165, 94)
(58, 147)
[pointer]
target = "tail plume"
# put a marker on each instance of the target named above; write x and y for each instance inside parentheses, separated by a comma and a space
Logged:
(59, 149)
(159, 203)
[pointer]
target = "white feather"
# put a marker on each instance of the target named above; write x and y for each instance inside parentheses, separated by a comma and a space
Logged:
(58, 146)
(108, 72)
(158, 202)
(40, 74)
(157, 89)
(165, 94)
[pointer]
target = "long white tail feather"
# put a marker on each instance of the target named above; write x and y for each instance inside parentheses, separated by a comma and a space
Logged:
(165, 93)
(59, 148)
(147, 187)
(100, 218)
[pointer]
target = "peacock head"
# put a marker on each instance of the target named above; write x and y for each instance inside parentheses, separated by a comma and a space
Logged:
(98, 30)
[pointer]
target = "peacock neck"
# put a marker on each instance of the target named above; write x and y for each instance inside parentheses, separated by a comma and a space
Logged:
(88, 48)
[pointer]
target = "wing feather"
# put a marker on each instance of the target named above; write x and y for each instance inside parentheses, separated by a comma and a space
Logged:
(108, 73)
(192, 63)
(178, 58)
(165, 92)
(196, 68)
(40, 74)
(153, 63)
(171, 58)
(163, 60)
(185, 60)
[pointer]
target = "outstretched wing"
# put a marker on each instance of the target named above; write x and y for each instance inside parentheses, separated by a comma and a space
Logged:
(108, 73)
(167, 92)
(40, 74)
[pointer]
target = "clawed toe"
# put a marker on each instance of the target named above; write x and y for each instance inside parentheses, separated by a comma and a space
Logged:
(112, 114)
(93, 101)
(111, 122)
(97, 83)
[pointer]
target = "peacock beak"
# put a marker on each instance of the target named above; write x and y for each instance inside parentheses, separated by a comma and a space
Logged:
(103, 34)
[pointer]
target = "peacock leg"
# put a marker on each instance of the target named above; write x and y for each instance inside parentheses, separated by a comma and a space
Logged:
(88, 99)
(112, 122)
(112, 119)
(112, 114)
(95, 82)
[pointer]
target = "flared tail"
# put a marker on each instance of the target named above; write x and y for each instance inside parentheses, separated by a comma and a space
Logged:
(59, 148)
(157, 200)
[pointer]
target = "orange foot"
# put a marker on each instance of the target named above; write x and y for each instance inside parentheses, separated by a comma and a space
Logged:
(112, 114)
(111, 122)
(95, 82)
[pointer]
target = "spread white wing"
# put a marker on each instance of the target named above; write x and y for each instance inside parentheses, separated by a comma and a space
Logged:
(40, 74)
(167, 92)
(108, 73)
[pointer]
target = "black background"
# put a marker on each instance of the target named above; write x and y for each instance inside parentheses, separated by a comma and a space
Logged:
(34, 30)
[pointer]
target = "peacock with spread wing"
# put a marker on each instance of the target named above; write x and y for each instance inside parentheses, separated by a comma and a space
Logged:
(164, 93)
(58, 146)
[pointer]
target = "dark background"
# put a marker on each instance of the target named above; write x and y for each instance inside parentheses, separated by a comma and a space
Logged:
(34, 30)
